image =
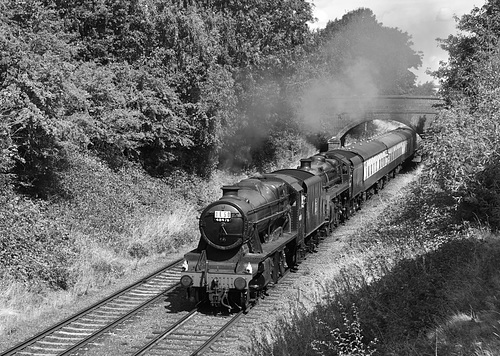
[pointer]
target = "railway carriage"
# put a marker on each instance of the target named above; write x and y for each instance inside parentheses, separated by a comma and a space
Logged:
(264, 224)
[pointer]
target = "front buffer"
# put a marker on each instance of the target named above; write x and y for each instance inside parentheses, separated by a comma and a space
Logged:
(228, 284)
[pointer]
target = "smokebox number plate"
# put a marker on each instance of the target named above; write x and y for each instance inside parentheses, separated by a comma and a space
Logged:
(222, 215)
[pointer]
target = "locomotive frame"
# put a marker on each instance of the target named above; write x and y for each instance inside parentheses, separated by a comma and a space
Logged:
(265, 224)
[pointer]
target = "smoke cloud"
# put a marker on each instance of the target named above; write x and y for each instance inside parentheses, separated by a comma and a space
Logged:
(331, 103)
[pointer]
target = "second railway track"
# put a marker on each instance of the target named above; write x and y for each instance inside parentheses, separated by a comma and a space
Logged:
(90, 324)
(190, 335)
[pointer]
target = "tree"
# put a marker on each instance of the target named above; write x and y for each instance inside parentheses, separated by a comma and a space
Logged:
(475, 43)
(34, 88)
(381, 55)
(153, 81)
(265, 43)
(425, 89)
(463, 150)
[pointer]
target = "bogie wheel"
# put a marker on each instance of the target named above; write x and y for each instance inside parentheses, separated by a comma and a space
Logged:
(199, 295)
(239, 300)
(245, 301)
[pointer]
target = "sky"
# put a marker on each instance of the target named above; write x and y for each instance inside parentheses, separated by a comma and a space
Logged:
(423, 20)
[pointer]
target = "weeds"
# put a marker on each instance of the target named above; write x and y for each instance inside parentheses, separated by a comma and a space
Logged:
(348, 341)
(148, 237)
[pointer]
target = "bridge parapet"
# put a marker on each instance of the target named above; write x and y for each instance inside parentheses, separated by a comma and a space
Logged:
(345, 113)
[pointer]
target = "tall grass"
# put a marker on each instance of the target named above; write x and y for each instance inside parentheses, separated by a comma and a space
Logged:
(19, 302)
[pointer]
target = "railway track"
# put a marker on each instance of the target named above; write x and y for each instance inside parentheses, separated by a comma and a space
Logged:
(191, 332)
(191, 335)
(183, 333)
(92, 323)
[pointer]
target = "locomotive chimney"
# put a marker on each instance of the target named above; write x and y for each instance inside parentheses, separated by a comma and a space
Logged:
(305, 164)
(229, 190)
(318, 158)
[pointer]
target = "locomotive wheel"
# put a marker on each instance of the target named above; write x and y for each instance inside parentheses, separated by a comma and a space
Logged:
(278, 266)
(275, 271)
(282, 263)
(245, 301)
(291, 252)
(338, 216)
(345, 214)
(332, 222)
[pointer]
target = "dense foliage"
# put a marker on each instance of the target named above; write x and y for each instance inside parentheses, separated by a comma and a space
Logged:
(463, 149)
(170, 84)
(470, 52)
(366, 57)
(150, 81)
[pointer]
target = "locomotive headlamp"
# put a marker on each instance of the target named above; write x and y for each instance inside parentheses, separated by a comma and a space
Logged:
(186, 281)
(248, 268)
(240, 283)
(184, 266)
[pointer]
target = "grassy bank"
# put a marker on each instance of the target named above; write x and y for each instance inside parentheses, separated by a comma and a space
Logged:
(414, 282)
(109, 224)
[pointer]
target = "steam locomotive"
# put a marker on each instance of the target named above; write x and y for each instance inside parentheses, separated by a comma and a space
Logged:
(265, 224)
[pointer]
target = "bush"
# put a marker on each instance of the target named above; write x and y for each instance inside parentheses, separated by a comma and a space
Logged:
(34, 248)
(484, 202)
(462, 145)
(462, 158)
(40, 160)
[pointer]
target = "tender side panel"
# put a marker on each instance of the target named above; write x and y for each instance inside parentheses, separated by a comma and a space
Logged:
(315, 214)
